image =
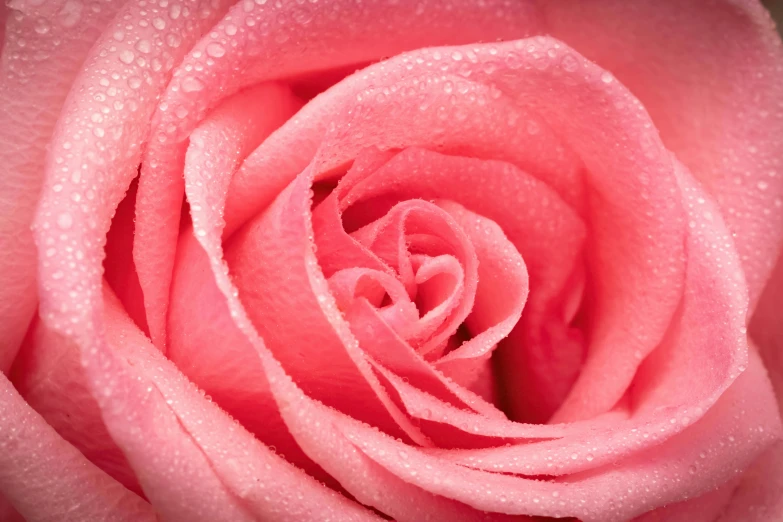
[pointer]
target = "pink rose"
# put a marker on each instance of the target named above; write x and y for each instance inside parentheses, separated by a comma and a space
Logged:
(357, 260)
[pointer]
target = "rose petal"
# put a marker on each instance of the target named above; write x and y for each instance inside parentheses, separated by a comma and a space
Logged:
(273, 262)
(203, 341)
(235, 55)
(95, 150)
(715, 100)
(42, 51)
(500, 297)
(47, 479)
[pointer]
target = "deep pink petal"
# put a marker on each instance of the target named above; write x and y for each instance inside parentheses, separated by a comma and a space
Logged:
(48, 480)
(715, 99)
(43, 48)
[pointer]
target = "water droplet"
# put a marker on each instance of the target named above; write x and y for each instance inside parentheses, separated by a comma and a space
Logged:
(606, 77)
(70, 13)
(134, 82)
(99, 132)
(569, 63)
(64, 221)
(174, 11)
(513, 61)
(42, 26)
(762, 185)
(127, 56)
(143, 46)
(215, 50)
(190, 84)
(159, 23)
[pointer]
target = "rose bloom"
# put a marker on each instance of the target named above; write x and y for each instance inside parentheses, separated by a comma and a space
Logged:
(354, 260)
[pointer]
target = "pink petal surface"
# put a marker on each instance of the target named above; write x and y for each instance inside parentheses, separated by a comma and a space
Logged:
(43, 48)
(714, 99)
(48, 480)
(295, 38)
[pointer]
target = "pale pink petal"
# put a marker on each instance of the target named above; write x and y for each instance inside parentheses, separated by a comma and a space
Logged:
(43, 48)
(711, 76)
(48, 480)
(300, 38)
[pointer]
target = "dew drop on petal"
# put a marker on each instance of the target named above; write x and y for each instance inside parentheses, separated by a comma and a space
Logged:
(64, 221)
(215, 50)
(127, 56)
(190, 84)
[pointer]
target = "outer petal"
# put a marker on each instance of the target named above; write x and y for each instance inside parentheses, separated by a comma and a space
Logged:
(710, 73)
(44, 47)
(48, 480)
